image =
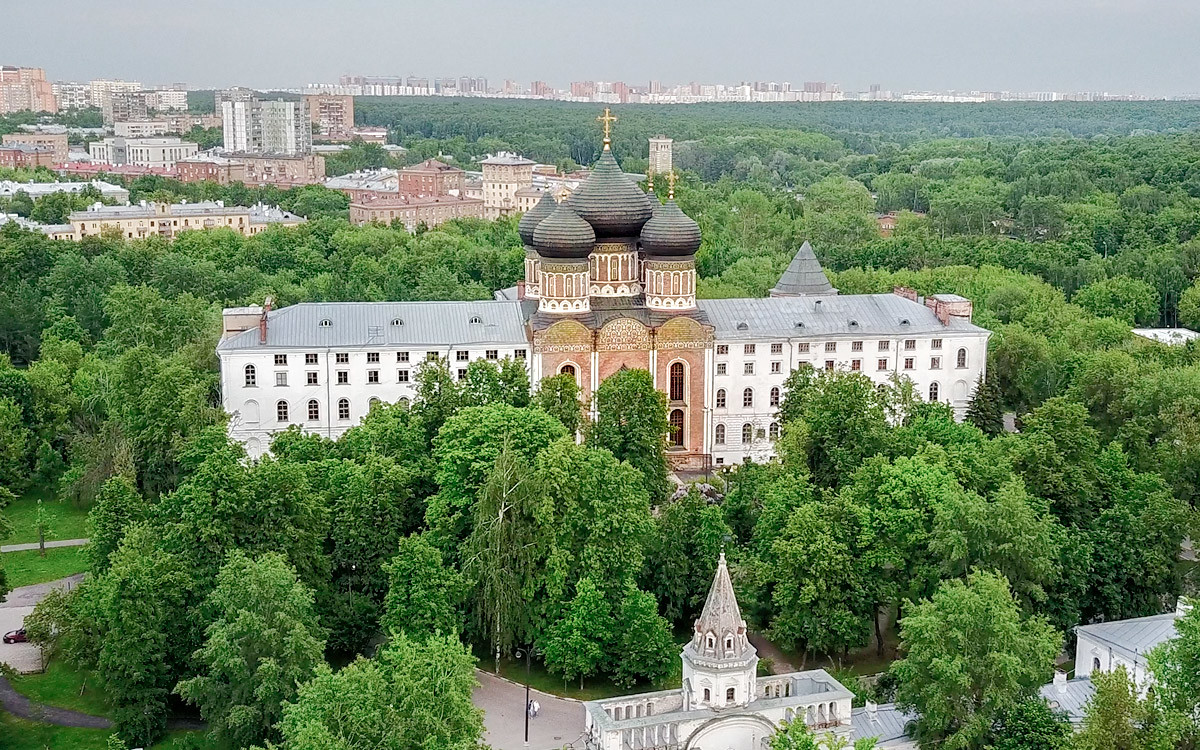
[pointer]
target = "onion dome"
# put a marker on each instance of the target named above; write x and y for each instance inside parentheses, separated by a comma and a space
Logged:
(534, 216)
(563, 234)
(611, 202)
(670, 232)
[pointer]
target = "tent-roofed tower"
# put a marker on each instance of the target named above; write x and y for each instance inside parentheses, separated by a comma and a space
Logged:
(804, 276)
(720, 664)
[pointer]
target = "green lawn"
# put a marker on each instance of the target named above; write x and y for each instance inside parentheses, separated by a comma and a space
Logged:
(594, 688)
(25, 568)
(17, 734)
(66, 521)
(64, 686)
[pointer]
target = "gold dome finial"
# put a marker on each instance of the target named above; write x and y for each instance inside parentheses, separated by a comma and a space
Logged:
(671, 183)
(563, 193)
(608, 118)
(650, 179)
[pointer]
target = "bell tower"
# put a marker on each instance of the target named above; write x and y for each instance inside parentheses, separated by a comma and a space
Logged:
(720, 665)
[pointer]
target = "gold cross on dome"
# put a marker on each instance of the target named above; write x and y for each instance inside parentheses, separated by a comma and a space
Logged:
(608, 118)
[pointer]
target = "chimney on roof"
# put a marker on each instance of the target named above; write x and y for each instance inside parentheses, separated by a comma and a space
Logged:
(262, 319)
(946, 306)
(907, 293)
(1060, 682)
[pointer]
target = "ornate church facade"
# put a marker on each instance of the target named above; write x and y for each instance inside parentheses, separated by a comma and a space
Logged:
(610, 283)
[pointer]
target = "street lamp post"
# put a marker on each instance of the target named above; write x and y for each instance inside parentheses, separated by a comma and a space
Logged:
(528, 655)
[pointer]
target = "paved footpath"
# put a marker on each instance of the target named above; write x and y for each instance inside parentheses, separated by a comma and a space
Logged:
(779, 662)
(559, 723)
(49, 545)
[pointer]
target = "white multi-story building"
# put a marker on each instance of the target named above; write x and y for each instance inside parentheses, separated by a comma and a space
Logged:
(272, 127)
(70, 95)
(170, 99)
(101, 91)
(160, 153)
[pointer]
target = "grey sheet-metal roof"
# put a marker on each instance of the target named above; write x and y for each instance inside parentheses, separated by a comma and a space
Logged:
(886, 724)
(829, 315)
(1070, 697)
(1136, 636)
(364, 324)
(804, 275)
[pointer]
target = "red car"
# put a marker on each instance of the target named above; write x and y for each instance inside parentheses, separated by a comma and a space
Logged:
(15, 636)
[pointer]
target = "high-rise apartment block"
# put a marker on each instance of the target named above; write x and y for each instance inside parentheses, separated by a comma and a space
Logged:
(272, 127)
(660, 154)
(69, 95)
(102, 89)
(170, 99)
(128, 106)
(25, 89)
(333, 114)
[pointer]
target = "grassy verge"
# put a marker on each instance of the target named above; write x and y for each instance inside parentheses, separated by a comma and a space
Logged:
(25, 568)
(18, 734)
(64, 686)
(594, 688)
(66, 521)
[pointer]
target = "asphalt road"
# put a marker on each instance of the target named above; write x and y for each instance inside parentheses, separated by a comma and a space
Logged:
(560, 721)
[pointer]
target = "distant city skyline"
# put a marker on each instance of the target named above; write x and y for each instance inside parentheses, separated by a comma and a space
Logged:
(1120, 46)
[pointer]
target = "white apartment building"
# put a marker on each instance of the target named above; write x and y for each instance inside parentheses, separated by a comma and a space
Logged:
(142, 152)
(141, 128)
(72, 95)
(101, 91)
(273, 127)
(170, 100)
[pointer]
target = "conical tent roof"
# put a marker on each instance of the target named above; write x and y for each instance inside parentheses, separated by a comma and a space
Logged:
(534, 216)
(804, 276)
(721, 615)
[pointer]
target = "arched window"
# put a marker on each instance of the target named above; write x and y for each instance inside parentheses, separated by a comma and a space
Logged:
(1095, 663)
(371, 403)
(747, 433)
(676, 420)
(250, 411)
(677, 381)
(251, 376)
(775, 396)
(720, 398)
(962, 359)
(326, 323)
(748, 397)
(933, 392)
(719, 438)
(314, 410)
(729, 693)
(773, 431)
(710, 642)
(343, 408)
(707, 695)
(281, 411)
(404, 402)
(567, 370)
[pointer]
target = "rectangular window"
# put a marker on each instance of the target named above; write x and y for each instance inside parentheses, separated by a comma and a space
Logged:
(281, 378)
(856, 346)
(776, 367)
(431, 356)
(748, 368)
(493, 354)
(343, 377)
(280, 360)
(908, 363)
(829, 364)
(804, 347)
(519, 354)
(722, 348)
(830, 346)
(856, 365)
(310, 378)
(882, 365)
(401, 376)
(935, 363)
(401, 356)
(372, 357)
(462, 356)
(372, 376)
(884, 346)
(936, 344)
(748, 349)
(462, 373)
(310, 359)
(341, 359)
(720, 368)
(910, 343)
(777, 348)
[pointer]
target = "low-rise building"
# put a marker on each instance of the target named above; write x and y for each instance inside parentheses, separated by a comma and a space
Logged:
(142, 152)
(56, 142)
(23, 155)
(431, 177)
(35, 190)
(367, 184)
(169, 219)
(208, 168)
(414, 210)
(281, 170)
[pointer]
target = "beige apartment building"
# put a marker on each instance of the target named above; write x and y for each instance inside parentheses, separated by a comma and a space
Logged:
(160, 153)
(56, 142)
(503, 175)
(280, 170)
(141, 129)
(332, 113)
(167, 220)
(413, 211)
(25, 89)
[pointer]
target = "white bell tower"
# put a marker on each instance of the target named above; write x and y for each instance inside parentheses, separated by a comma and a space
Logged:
(720, 666)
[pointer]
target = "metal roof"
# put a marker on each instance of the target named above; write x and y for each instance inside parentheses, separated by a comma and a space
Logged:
(365, 324)
(828, 315)
(886, 724)
(803, 275)
(1136, 636)
(1070, 697)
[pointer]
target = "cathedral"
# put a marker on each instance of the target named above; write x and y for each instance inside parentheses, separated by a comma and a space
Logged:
(610, 283)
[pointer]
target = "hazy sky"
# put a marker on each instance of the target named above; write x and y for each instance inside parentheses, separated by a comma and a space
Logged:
(1147, 46)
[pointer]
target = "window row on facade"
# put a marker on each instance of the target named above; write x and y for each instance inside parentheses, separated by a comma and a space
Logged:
(309, 410)
(805, 347)
(342, 377)
(881, 365)
(749, 433)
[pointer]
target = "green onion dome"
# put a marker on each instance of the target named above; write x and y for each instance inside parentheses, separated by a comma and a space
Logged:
(611, 202)
(564, 235)
(534, 216)
(670, 232)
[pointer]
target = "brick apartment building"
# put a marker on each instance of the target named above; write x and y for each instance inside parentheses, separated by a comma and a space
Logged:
(412, 211)
(18, 155)
(431, 177)
(56, 142)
